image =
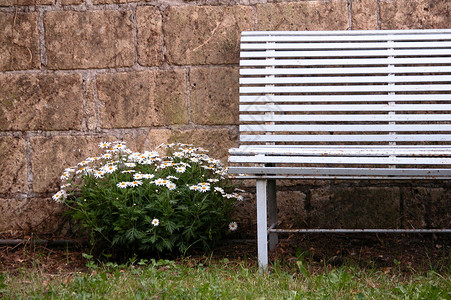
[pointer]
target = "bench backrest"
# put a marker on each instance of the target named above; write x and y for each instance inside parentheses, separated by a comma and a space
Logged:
(345, 87)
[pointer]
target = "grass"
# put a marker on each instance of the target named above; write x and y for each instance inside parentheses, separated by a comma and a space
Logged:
(209, 278)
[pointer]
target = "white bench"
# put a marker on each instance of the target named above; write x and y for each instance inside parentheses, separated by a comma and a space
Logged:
(341, 105)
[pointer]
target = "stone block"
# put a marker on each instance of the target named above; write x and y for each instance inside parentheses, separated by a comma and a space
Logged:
(32, 216)
(364, 15)
(305, 15)
(356, 207)
(440, 210)
(13, 165)
(205, 34)
(214, 95)
(25, 2)
(41, 102)
(96, 2)
(72, 2)
(149, 35)
(140, 99)
(217, 141)
(91, 107)
(414, 202)
(90, 39)
(19, 47)
(51, 155)
(411, 14)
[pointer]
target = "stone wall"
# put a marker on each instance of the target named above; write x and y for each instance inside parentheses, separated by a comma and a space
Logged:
(77, 72)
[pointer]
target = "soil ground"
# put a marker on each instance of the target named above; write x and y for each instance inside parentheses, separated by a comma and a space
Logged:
(411, 253)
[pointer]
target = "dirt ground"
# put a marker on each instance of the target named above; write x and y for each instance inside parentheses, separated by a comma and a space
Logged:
(410, 253)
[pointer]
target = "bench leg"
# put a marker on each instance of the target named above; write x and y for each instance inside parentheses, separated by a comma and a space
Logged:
(262, 224)
(272, 212)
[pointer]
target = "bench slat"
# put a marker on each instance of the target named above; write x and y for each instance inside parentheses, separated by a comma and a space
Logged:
(349, 70)
(345, 107)
(343, 62)
(340, 150)
(346, 79)
(345, 53)
(347, 138)
(340, 118)
(349, 128)
(340, 37)
(344, 98)
(343, 89)
(353, 160)
(409, 172)
(343, 45)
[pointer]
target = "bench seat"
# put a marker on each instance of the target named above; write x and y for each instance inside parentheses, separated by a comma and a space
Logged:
(341, 105)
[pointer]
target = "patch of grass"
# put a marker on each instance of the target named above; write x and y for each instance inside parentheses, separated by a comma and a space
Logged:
(207, 278)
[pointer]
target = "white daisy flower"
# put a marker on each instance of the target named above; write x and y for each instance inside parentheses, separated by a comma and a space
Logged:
(122, 185)
(65, 176)
(171, 186)
(135, 183)
(238, 197)
(178, 154)
(148, 176)
(107, 156)
(83, 163)
(128, 171)
(160, 181)
(180, 169)
(204, 188)
(58, 196)
(194, 159)
(120, 146)
(172, 177)
(130, 165)
(212, 180)
(155, 222)
(203, 184)
(194, 188)
(65, 185)
(138, 176)
(233, 226)
(99, 174)
(105, 145)
(218, 189)
(109, 168)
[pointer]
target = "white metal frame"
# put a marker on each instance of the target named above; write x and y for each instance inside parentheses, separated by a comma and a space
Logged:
(341, 105)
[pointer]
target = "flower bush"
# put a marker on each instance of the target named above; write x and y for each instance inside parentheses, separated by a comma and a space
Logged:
(134, 202)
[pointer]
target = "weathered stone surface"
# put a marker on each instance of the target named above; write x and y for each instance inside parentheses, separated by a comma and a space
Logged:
(91, 39)
(138, 99)
(414, 202)
(217, 141)
(91, 107)
(115, 1)
(51, 155)
(305, 15)
(25, 2)
(40, 102)
(357, 207)
(32, 215)
(214, 95)
(364, 15)
(150, 36)
(19, 48)
(205, 34)
(440, 211)
(410, 14)
(13, 165)
(71, 2)
(156, 137)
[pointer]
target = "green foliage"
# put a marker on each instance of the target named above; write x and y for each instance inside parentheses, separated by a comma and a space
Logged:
(133, 203)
